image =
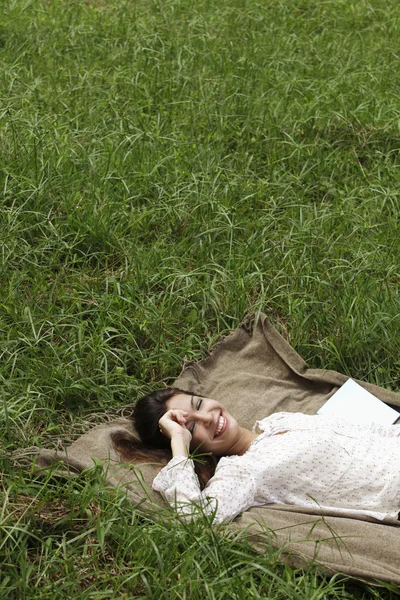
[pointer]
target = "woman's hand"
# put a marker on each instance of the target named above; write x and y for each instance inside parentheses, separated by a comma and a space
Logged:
(172, 424)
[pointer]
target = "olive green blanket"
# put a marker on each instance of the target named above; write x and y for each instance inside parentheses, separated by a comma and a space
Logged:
(254, 372)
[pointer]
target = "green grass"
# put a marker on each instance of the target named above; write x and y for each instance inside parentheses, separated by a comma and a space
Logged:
(167, 167)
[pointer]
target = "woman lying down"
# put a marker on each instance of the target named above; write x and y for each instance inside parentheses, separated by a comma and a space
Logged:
(288, 458)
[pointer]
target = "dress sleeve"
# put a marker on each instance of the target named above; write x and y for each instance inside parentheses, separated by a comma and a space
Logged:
(376, 429)
(278, 422)
(230, 492)
(382, 430)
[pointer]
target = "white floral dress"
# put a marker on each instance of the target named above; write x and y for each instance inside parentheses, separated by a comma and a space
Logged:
(317, 462)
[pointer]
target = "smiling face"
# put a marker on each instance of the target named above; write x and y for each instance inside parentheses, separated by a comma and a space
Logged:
(211, 426)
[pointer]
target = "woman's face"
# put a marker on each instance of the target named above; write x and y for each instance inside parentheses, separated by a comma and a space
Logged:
(211, 426)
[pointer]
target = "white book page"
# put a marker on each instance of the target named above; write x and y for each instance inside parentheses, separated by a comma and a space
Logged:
(354, 404)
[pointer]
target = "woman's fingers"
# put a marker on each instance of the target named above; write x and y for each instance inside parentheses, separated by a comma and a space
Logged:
(172, 423)
(181, 417)
(176, 415)
(172, 420)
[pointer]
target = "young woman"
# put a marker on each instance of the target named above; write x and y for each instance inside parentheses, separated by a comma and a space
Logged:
(288, 458)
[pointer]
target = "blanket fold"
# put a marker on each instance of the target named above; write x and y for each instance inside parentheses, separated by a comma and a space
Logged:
(254, 372)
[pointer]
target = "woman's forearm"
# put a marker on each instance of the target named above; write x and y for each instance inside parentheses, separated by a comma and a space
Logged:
(179, 446)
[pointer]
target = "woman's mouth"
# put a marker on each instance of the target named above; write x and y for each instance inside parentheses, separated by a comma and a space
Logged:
(221, 425)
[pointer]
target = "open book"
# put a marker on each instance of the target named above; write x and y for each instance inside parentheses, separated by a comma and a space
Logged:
(354, 404)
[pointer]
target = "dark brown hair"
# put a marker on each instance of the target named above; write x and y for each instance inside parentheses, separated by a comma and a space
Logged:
(147, 413)
(155, 445)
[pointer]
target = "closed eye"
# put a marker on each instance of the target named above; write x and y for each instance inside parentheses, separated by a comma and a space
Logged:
(198, 406)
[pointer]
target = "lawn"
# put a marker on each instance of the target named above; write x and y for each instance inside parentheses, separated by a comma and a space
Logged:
(166, 168)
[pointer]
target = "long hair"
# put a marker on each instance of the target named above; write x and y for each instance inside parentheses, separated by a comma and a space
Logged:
(154, 446)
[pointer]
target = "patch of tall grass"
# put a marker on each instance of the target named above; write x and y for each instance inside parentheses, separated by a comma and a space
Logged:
(165, 169)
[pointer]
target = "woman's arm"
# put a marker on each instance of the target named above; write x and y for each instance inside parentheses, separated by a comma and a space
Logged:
(230, 492)
(280, 421)
(172, 424)
(375, 429)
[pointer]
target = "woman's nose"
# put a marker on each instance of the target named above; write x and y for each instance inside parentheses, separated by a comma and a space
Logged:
(204, 418)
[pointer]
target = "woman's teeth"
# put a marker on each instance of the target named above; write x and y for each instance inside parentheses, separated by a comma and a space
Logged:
(221, 422)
